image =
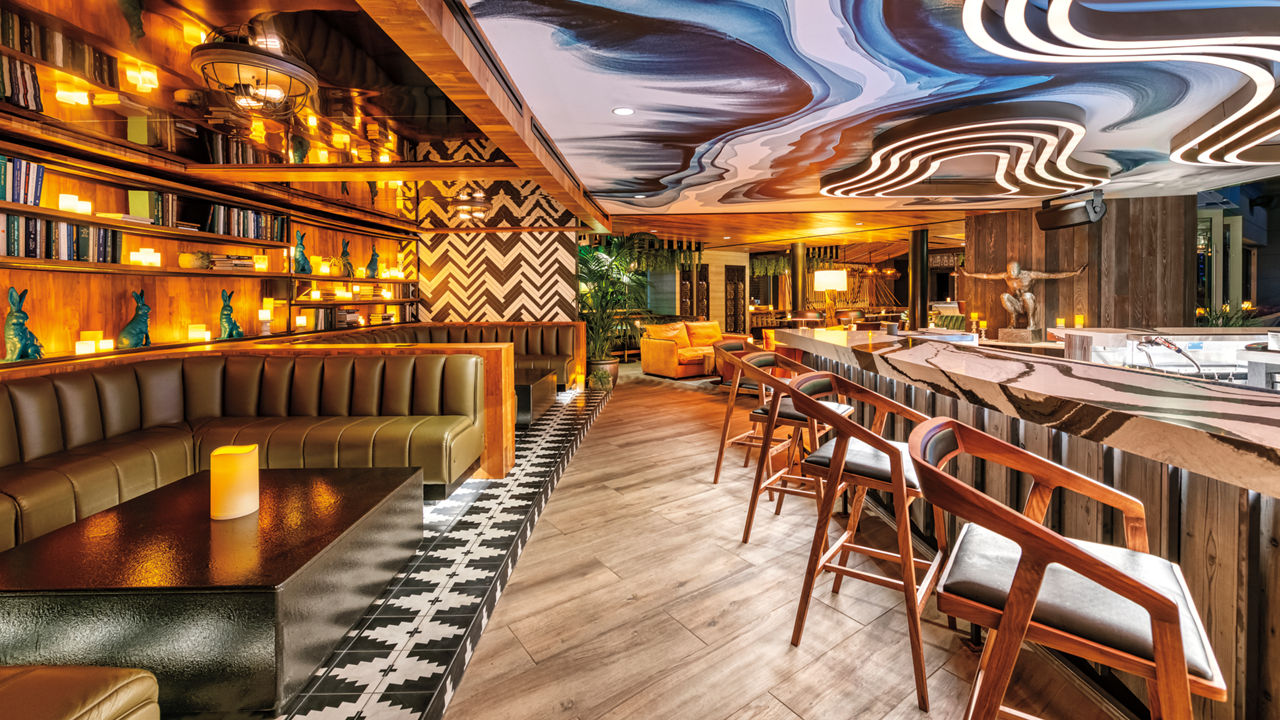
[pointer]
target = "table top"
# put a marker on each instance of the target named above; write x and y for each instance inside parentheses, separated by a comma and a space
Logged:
(531, 376)
(165, 539)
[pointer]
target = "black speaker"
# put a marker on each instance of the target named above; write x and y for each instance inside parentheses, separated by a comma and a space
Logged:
(1077, 213)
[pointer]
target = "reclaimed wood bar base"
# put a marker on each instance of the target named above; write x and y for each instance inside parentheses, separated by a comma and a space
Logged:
(1219, 519)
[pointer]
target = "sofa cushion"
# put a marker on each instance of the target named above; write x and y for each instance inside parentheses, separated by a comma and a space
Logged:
(66, 692)
(693, 355)
(561, 364)
(671, 331)
(703, 333)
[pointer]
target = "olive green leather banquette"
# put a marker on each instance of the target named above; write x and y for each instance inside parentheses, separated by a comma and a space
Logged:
(537, 346)
(74, 444)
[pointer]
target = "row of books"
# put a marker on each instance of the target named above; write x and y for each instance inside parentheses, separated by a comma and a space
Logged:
(21, 181)
(230, 262)
(29, 237)
(19, 84)
(243, 223)
(224, 149)
(25, 35)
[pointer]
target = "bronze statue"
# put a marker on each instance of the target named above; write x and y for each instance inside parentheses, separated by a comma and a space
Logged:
(1020, 299)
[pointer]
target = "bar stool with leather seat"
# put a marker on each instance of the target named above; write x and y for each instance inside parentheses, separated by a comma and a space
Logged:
(869, 462)
(754, 437)
(783, 411)
(1118, 606)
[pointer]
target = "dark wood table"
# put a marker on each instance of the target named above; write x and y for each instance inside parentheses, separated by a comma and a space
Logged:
(535, 392)
(230, 615)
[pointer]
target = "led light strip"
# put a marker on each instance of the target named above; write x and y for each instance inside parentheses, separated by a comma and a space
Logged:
(1032, 143)
(1220, 137)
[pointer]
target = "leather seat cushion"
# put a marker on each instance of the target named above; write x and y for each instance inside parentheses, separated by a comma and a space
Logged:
(703, 334)
(561, 364)
(866, 461)
(349, 442)
(693, 355)
(787, 411)
(982, 568)
(670, 331)
(42, 692)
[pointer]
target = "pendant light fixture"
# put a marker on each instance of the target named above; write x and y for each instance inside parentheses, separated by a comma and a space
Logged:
(470, 204)
(254, 70)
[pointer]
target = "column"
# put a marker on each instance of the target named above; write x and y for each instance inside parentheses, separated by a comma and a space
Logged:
(918, 280)
(799, 277)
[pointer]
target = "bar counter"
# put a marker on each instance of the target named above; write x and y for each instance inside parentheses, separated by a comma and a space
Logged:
(1203, 457)
(1227, 432)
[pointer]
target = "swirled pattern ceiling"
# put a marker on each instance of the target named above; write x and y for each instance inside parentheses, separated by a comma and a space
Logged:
(745, 105)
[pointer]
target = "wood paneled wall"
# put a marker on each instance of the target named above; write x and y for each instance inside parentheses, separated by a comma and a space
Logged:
(1141, 264)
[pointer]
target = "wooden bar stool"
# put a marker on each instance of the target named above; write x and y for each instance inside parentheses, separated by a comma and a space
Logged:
(753, 438)
(783, 411)
(870, 462)
(1119, 606)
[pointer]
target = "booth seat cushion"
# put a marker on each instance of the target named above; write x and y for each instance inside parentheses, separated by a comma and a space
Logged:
(42, 692)
(442, 445)
(672, 331)
(562, 364)
(702, 334)
(982, 568)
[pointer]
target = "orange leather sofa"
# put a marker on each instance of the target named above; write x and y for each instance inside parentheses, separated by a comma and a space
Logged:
(681, 349)
(43, 692)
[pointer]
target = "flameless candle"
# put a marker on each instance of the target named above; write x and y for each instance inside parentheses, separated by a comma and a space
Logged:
(93, 335)
(260, 263)
(1062, 322)
(233, 481)
(85, 347)
(104, 345)
(982, 325)
(360, 272)
(386, 294)
(315, 295)
(973, 316)
(1079, 321)
(207, 335)
(268, 303)
(264, 315)
(300, 321)
(195, 332)
(324, 267)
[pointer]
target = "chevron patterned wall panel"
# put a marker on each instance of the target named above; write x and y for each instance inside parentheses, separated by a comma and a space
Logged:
(488, 274)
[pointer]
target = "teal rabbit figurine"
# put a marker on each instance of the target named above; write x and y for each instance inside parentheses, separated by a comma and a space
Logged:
(230, 328)
(371, 270)
(19, 342)
(345, 260)
(136, 333)
(301, 264)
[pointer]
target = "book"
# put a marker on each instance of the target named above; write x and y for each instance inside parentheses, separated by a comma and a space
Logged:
(13, 235)
(30, 233)
(82, 243)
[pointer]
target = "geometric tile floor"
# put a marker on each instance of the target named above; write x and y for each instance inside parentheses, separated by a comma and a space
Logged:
(405, 657)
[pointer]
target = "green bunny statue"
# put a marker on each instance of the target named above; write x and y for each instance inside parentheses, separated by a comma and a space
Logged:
(136, 332)
(19, 342)
(301, 265)
(230, 328)
(345, 260)
(371, 270)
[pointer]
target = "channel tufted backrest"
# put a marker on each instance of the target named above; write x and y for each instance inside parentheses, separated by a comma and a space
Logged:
(525, 338)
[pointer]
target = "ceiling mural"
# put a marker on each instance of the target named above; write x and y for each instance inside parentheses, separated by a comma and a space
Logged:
(746, 105)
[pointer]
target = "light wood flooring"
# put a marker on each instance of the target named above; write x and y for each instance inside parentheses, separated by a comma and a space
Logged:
(636, 598)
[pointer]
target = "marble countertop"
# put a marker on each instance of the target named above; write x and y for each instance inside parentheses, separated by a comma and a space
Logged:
(1228, 432)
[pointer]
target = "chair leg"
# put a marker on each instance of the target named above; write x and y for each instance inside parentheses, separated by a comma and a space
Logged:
(724, 432)
(762, 467)
(907, 561)
(1003, 644)
(851, 530)
(827, 499)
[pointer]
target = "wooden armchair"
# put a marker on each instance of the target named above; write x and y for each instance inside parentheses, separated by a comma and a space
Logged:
(1118, 606)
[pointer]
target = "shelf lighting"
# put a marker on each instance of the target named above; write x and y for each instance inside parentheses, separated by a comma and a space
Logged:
(85, 347)
(143, 78)
(106, 345)
(261, 263)
(72, 97)
(341, 139)
(300, 322)
(73, 203)
(147, 257)
(197, 332)
(315, 296)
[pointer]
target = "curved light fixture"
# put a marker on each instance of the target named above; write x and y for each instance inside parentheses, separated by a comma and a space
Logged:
(255, 71)
(470, 205)
(1031, 143)
(1067, 31)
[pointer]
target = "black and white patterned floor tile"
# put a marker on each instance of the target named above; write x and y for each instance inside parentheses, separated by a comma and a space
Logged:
(404, 659)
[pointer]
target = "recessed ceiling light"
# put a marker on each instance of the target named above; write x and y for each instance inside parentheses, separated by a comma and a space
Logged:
(857, 223)
(726, 237)
(624, 111)
(639, 197)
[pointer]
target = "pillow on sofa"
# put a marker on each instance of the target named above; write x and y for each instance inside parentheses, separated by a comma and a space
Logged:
(702, 334)
(671, 331)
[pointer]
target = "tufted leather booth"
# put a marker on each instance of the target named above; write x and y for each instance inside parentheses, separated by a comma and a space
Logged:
(74, 444)
(42, 692)
(537, 345)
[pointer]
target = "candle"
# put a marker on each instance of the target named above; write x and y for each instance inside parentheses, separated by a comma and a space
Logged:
(104, 345)
(260, 263)
(93, 335)
(207, 336)
(300, 321)
(315, 295)
(360, 272)
(386, 294)
(85, 347)
(982, 325)
(195, 332)
(324, 267)
(268, 303)
(973, 316)
(1062, 322)
(233, 481)
(1079, 321)
(264, 315)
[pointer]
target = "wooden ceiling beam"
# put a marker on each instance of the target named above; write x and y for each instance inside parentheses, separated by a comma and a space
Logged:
(474, 79)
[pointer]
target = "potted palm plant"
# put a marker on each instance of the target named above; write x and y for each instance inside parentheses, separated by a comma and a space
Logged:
(612, 299)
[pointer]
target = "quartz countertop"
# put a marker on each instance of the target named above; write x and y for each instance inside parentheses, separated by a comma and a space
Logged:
(1228, 432)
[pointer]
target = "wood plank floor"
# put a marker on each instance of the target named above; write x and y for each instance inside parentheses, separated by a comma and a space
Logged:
(636, 598)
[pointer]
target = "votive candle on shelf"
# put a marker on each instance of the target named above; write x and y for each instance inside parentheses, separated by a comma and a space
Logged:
(1062, 322)
(300, 321)
(324, 267)
(268, 303)
(233, 481)
(982, 325)
(85, 347)
(106, 344)
(260, 263)
(91, 335)
(195, 332)
(1079, 321)
(973, 316)
(360, 272)
(264, 315)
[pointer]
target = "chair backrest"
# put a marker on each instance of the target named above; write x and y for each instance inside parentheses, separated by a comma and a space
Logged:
(807, 315)
(813, 386)
(847, 315)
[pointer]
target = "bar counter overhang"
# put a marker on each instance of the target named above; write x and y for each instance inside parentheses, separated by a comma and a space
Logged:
(1227, 432)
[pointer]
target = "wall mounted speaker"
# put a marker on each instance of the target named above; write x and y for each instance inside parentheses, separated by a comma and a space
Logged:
(1083, 212)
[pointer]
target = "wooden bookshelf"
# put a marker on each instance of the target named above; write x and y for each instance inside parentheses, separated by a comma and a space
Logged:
(305, 304)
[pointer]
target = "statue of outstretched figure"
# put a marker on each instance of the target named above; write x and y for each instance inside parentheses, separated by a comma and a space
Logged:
(1020, 299)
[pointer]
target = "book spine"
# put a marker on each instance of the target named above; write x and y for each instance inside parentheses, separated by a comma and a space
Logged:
(117, 243)
(101, 254)
(32, 239)
(13, 236)
(39, 185)
(82, 243)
